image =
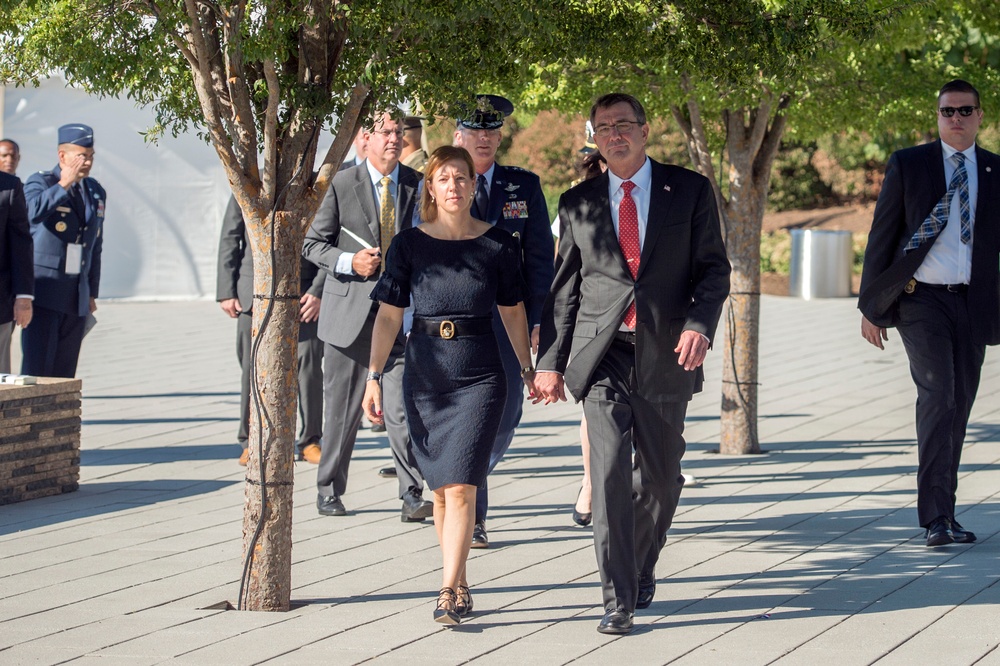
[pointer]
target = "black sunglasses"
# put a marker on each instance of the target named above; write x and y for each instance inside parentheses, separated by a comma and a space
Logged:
(964, 111)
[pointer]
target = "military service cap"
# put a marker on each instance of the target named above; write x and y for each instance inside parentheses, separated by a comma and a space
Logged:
(488, 114)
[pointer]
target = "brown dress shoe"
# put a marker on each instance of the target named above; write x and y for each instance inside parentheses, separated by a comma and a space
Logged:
(245, 457)
(311, 453)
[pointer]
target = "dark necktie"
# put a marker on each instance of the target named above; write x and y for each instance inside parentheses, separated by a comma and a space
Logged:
(481, 206)
(936, 221)
(628, 238)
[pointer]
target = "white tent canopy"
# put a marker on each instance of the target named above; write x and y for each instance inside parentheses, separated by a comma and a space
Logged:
(165, 200)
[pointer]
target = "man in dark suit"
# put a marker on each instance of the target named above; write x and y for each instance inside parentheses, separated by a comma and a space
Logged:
(66, 209)
(10, 156)
(234, 292)
(17, 277)
(641, 277)
(931, 271)
(510, 198)
(363, 209)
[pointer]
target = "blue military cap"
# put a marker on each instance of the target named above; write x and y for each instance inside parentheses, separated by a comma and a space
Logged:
(489, 112)
(77, 134)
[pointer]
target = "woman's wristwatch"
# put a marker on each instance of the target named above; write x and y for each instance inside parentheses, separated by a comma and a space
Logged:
(526, 370)
(372, 375)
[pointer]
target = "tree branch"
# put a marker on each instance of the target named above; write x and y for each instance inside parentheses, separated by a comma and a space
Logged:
(242, 120)
(271, 132)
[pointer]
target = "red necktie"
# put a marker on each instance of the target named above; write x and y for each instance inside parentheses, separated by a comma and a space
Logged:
(628, 238)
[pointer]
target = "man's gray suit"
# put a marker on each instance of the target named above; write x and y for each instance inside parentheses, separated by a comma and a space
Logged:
(635, 391)
(235, 280)
(346, 319)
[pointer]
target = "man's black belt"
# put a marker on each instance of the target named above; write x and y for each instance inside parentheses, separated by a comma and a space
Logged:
(953, 288)
(452, 328)
(625, 336)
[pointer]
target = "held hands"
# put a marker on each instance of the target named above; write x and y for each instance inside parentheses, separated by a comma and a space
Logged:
(367, 261)
(231, 306)
(372, 402)
(872, 333)
(308, 308)
(691, 350)
(548, 386)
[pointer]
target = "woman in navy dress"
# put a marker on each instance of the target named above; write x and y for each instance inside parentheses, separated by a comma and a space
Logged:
(456, 269)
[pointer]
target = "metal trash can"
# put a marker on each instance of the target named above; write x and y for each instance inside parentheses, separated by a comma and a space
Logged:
(821, 264)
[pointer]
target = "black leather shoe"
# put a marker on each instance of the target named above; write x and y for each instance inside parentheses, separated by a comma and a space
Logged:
(581, 519)
(939, 533)
(479, 537)
(330, 505)
(647, 589)
(616, 622)
(960, 534)
(387, 472)
(415, 508)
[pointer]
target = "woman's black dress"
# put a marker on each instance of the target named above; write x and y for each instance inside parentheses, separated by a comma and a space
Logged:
(453, 389)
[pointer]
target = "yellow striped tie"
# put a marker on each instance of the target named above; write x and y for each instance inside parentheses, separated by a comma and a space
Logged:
(387, 218)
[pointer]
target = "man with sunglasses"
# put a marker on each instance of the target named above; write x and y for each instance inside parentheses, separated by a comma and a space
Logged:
(931, 271)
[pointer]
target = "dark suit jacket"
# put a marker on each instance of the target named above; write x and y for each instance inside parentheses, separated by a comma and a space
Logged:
(914, 183)
(235, 275)
(55, 222)
(682, 283)
(16, 259)
(517, 205)
(350, 204)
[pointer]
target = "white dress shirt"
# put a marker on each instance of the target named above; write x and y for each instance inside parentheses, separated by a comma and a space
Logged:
(643, 180)
(949, 260)
(345, 260)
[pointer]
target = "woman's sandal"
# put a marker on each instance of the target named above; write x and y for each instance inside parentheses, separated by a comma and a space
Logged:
(446, 613)
(464, 603)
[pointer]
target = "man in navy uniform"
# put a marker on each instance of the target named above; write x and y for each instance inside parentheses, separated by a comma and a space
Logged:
(510, 198)
(16, 274)
(66, 210)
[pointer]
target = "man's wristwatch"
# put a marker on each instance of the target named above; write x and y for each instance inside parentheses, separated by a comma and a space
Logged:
(377, 376)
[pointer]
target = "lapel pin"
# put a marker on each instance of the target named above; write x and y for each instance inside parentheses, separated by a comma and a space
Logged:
(666, 187)
(989, 169)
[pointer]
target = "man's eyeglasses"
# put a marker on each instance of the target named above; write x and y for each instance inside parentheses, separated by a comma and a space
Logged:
(623, 127)
(387, 133)
(964, 111)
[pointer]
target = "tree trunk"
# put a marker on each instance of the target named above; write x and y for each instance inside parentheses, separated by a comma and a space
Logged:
(267, 513)
(742, 320)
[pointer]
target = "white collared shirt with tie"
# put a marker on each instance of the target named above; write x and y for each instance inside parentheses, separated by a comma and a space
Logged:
(949, 260)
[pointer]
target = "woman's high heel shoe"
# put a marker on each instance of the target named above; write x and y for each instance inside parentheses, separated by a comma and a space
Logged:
(463, 603)
(581, 519)
(445, 613)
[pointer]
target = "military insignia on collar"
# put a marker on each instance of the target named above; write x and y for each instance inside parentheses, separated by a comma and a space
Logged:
(511, 187)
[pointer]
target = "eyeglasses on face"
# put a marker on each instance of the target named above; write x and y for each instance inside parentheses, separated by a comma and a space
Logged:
(623, 127)
(388, 133)
(964, 111)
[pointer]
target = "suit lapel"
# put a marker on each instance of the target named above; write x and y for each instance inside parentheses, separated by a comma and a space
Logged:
(599, 200)
(406, 192)
(366, 200)
(660, 197)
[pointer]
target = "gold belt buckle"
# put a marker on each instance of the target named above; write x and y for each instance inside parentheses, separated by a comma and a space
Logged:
(447, 329)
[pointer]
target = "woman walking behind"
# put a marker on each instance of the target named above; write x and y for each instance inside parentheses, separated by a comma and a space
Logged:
(456, 269)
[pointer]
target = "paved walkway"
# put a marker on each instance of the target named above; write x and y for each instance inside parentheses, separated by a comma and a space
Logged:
(805, 555)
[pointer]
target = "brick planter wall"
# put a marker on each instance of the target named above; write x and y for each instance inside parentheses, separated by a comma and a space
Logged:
(39, 439)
